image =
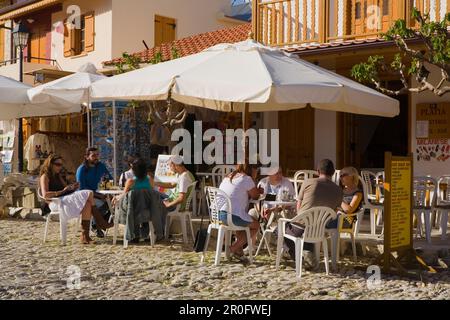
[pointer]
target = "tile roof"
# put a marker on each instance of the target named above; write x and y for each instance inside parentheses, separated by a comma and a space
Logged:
(342, 44)
(193, 44)
(199, 42)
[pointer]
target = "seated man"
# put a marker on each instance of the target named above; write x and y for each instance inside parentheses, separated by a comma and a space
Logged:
(184, 180)
(89, 175)
(319, 192)
(275, 184)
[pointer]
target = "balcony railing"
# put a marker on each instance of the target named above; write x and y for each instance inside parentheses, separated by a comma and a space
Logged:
(30, 60)
(289, 22)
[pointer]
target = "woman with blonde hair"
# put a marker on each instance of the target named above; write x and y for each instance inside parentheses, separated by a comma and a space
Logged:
(75, 203)
(352, 199)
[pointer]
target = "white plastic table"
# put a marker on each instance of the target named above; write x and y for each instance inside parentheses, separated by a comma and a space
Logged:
(109, 195)
(273, 215)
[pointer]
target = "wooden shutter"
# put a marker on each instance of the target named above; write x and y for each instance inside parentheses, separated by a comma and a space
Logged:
(164, 30)
(69, 41)
(2, 44)
(169, 30)
(158, 30)
(89, 19)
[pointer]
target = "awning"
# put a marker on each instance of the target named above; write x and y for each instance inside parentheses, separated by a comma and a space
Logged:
(28, 9)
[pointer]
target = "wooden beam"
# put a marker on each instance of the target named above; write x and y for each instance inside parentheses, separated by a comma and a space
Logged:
(289, 21)
(305, 20)
(255, 18)
(323, 20)
(297, 21)
(280, 22)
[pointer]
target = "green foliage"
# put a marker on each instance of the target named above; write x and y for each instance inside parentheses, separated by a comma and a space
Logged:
(434, 36)
(157, 58)
(175, 53)
(127, 63)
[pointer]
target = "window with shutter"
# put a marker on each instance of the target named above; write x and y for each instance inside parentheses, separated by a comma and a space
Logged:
(69, 40)
(165, 29)
(89, 32)
(79, 41)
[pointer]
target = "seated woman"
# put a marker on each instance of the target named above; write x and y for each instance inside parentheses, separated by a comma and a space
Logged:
(140, 181)
(352, 200)
(75, 203)
(240, 187)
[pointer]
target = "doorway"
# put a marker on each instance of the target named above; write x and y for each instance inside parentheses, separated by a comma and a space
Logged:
(296, 139)
(365, 139)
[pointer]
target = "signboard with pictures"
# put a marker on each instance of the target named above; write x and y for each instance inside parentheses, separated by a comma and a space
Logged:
(433, 132)
(163, 173)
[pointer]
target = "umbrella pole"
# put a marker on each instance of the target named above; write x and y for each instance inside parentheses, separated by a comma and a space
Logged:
(89, 122)
(246, 116)
(115, 142)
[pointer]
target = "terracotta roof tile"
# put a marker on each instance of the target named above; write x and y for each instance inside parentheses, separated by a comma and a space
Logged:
(197, 43)
(193, 44)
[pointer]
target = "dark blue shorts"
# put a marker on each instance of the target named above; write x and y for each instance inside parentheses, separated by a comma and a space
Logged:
(237, 221)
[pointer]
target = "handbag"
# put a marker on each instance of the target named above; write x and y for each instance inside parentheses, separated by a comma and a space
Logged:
(200, 238)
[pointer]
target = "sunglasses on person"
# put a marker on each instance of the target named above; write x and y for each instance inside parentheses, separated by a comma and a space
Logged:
(344, 175)
(58, 164)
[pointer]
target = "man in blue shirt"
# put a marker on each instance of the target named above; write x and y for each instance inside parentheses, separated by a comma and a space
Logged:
(89, 175)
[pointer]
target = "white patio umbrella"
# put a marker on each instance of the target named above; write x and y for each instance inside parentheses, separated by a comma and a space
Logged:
(15, 104)
(229, 76)
(69, 92)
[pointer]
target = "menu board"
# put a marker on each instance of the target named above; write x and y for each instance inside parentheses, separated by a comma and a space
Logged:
(398, 203)
(433, 121)
(163, 173)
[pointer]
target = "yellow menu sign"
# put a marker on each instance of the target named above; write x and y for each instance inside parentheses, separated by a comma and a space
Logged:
(400, 203)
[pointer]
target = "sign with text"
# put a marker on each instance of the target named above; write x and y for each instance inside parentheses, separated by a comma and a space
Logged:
(398, 202)
(433, 120)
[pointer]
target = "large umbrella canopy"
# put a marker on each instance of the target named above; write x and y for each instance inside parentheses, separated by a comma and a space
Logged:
(14, 102)
(227, 76)
(70, 91)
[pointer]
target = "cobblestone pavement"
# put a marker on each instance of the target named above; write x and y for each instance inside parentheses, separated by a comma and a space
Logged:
(31, 270)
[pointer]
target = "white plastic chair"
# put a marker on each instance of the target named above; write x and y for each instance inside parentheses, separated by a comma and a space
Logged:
(217, 199)
(424, 193)
(219, 172)
(300, 176)
(184, 216)
(314, 221)
(336, 235)
(443, 204)
(58, 213)
(152, 234)
(337, 177)
(376, 209)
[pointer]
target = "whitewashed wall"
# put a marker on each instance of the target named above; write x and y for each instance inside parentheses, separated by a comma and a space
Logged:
(433, 167)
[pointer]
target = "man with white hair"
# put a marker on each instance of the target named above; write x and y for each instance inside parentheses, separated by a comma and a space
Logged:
(274, 184)
(184, 180)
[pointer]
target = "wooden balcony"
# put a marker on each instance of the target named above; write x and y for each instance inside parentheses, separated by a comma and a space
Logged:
(293, 22)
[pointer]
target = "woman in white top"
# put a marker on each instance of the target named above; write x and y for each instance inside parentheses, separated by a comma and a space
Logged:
(240, 187)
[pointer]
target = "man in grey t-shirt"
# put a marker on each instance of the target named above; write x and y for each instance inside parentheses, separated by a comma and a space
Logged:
(320, 192)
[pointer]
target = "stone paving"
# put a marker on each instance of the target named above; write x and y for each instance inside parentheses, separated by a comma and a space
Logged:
(32, 270)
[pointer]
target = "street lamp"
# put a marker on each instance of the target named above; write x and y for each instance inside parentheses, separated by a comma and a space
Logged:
(20, 35)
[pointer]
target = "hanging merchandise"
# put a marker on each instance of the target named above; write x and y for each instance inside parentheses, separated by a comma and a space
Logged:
(102, 129)
(143, 133)
(36, 150)
(123, 144)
